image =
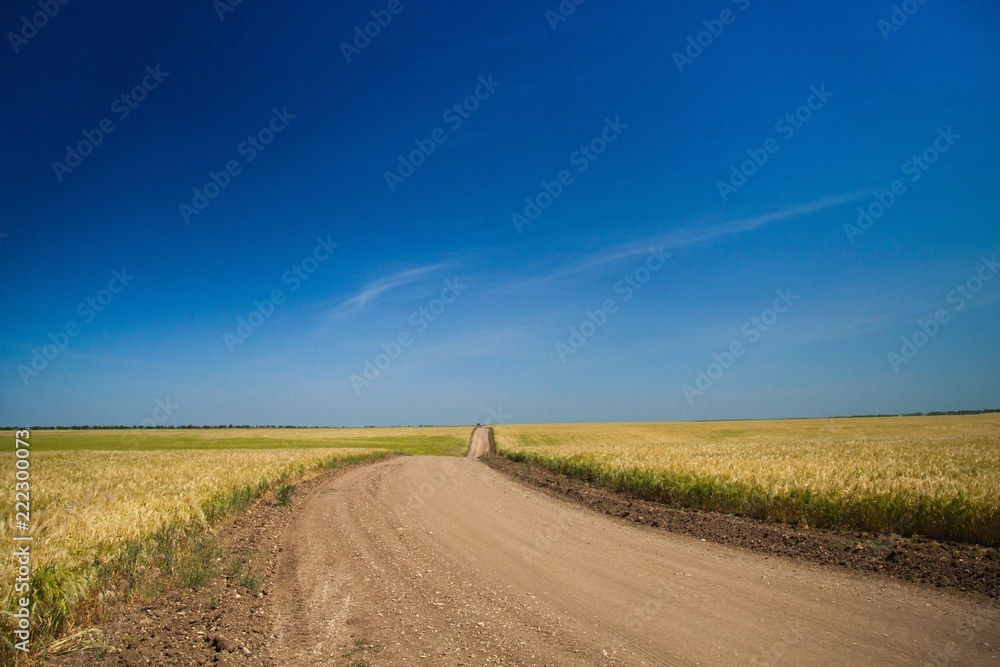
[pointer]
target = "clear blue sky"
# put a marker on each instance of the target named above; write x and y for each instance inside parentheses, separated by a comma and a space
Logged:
(622, 144)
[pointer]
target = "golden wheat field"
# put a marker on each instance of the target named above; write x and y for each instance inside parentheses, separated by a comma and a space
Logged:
(83, 500)
(91, 507)
(110, 505)
(934, 476)
(99, 487)
(412, 440)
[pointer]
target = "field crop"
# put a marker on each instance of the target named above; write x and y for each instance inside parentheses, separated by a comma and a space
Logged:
(444, 440)
(107, 505)
(933, 476)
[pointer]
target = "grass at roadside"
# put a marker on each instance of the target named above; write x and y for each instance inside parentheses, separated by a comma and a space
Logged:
(933, 476)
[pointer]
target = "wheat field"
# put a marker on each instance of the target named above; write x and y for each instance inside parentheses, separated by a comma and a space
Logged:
(110, 504)
(107, 504)
(933, 476)
(444, 440)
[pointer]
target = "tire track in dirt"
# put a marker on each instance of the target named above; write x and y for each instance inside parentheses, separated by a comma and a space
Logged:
(443, 561)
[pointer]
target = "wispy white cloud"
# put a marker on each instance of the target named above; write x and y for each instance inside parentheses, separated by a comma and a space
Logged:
(377, 288)
(829, 327)
(896, 311)
(693, 235)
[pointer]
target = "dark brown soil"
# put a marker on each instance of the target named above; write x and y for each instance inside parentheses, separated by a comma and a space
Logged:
(943, 564)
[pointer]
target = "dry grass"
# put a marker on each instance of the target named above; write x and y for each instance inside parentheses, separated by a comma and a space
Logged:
(935, 476)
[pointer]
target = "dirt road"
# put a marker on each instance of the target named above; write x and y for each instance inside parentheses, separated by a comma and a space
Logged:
(481, 443)
(443, 561)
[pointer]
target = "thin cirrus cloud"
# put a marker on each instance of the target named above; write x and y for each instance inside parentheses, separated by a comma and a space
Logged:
(378, 288)
(690, 236)
(682, 238)
(697, 235)
(897, 311)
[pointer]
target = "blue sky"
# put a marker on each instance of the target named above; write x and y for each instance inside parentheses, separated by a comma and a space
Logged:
(644, 264)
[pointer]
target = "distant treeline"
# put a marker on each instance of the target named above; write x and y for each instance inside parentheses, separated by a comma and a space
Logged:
(928, 414)
(905, 414)
(246, 426)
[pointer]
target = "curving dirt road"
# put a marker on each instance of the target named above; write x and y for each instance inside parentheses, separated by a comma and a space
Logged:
(443, 561)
